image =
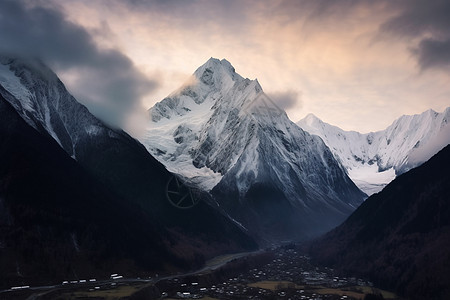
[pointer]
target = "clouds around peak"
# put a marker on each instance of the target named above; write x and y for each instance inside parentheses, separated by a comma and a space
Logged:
(287, 99)
(105, 80)
(427, 24)
(355, 62)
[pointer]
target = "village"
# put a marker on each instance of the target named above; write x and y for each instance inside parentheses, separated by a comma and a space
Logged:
(277, 273)
(285, 274)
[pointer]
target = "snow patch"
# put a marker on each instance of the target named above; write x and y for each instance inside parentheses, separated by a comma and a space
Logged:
(93, 130)
(12, 84)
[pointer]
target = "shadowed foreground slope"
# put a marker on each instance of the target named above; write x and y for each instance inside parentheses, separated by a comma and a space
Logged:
(106, 212)
(400, 237)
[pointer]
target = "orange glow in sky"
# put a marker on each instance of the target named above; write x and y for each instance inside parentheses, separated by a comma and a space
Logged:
(345, 61)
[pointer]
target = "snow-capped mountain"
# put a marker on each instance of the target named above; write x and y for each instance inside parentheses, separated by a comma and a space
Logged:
(51, 146)
(43, 102)
(374, 159)
(221, 132)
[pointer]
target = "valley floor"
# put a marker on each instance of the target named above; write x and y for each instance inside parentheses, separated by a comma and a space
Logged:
(279, 273)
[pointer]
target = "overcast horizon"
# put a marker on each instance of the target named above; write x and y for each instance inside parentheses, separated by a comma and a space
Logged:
(357, 65)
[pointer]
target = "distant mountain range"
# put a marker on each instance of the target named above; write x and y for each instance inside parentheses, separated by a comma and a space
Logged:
(373, 159)
(222, 133)
(400, 237)
(79, 199)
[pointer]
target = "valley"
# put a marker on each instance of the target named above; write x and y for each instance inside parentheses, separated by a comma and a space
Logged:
(284, 272)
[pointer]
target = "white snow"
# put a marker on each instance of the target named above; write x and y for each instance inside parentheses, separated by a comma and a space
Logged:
(26, 100)
(221, 121)
(159, 138)
(44, 103)
(372, 160)
(218, 89)
(192, 115)
(47, 120)
(369, 179)
(93, 130)
(13, 85)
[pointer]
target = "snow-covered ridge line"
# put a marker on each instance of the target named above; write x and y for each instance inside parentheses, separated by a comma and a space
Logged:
(218, 132)
(374, 159)
(42, 100)
(178, 121)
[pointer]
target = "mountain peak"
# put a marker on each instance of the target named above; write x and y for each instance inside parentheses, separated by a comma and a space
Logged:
(216, 72)
(373, 159)
(310, 120)
(217, 64)
(311, 117)
(34, 68)
(222, 134)
(212, 61)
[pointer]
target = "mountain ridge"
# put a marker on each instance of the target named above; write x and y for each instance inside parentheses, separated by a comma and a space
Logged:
(218, 129)
(116, 162)
(374, 159)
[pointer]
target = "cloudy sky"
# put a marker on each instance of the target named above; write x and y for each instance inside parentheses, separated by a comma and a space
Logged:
(355, 64)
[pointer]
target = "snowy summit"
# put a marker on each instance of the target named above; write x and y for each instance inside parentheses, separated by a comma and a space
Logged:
(374, 159)
(222, 133)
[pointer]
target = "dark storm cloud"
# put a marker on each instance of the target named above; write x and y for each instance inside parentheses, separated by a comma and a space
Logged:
(286, 99)
(105, 80)
(430, 22)
(433, 53)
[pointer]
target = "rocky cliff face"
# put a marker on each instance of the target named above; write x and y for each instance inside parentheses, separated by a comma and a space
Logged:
(223, 133)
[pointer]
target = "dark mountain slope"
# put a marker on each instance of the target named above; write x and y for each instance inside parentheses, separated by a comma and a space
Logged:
(57, 221)
(114, 158)
(111, 202)
(399, 237)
